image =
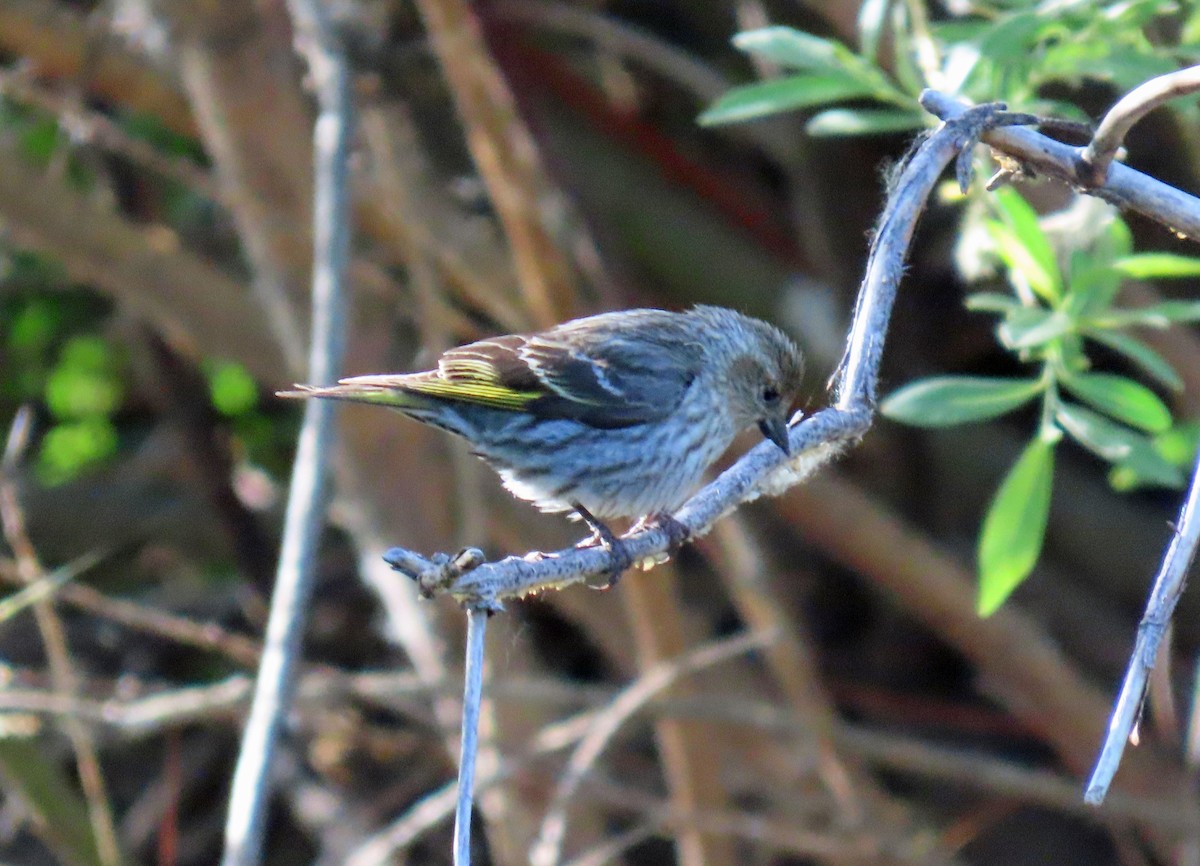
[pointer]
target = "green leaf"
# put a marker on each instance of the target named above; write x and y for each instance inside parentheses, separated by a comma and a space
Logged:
(1008, 39)
(1015, 526)
(1117, 240)
(1152, 363)
(85, 381)
(1031, 255)
(1122, 398)
(1091, 284)
(991, 302)
(1145, 467)
(803, 51)
(72, 392)
(796, 50)
(781, 94)
(40, 139)
(905, 69)
(871, 17)
(864, 121)
(1178, 445)
(70, 448)
(1124, 69)
(48, 795)
(1144, 266)
(231, 387)
(1177, 311)
(1104, 438)
(949, 400)
(1027, 327)
(1022, 263)
(1155, 316)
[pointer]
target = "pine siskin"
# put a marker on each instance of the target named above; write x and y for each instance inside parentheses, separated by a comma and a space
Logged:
(615, 415)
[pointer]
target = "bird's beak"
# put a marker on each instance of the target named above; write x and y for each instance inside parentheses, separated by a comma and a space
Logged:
(775, 428)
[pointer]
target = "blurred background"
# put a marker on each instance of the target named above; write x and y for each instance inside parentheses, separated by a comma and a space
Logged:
(517, 163)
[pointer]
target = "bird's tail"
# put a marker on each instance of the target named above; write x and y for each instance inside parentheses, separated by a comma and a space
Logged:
(377, 390)
(396, 391)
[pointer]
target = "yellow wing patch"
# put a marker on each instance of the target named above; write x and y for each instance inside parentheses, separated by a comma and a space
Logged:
(481, 391)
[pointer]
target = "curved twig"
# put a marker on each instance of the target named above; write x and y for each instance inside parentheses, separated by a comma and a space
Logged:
(764, 470)
(1123, 186)
(1131, 108)
(1126, 188)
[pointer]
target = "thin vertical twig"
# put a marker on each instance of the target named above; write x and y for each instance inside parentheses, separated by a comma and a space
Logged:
(1130, 109)
(1168, 587)
(245, 826)
(477, 618)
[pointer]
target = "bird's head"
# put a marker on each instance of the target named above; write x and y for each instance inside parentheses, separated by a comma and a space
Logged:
(764, 380)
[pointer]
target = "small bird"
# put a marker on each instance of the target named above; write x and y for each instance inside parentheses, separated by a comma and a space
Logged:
(612, 416)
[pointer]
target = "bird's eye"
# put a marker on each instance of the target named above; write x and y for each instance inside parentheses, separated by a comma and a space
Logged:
(770, 395)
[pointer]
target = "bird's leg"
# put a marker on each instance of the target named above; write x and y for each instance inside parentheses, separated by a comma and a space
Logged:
(603, 537)
(677, 533)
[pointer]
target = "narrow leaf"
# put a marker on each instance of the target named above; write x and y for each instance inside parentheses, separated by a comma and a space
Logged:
(1118, 239)
(871, 17)
(1144, 266)
(990, 302)
(1177, 311)
(1178, 445)
(863, 121)
(1145, 467)
(793, 49)
(803, 51)
(48, 796)
(1152, 363)
(1122, 398)
(1020, 216)
(1092, 283)
(949, 400)
(1023, 262)
(1104, 438)
(1155, 316)
(1027, 327)
(1015, 526)
(781, 94)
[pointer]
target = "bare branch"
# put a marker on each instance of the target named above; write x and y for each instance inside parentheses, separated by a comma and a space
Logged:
(1090, 170)
(472, 697)
(245, 827)
(764, 471)
(1131, 108)
(1123, 187)
(1168, 587)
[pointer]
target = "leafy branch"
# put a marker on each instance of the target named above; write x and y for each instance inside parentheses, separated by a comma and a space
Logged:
(1054, 317)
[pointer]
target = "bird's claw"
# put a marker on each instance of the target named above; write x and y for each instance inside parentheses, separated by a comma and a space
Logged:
(620, 560)
(677, 532)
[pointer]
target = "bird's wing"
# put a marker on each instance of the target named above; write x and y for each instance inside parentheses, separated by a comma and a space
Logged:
(604, 378)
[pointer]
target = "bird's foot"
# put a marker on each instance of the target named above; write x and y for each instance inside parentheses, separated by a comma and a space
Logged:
(603, 537)
(677, 533)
